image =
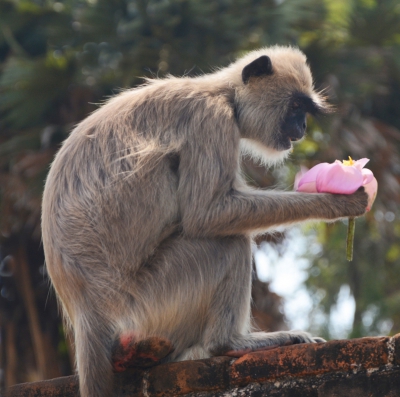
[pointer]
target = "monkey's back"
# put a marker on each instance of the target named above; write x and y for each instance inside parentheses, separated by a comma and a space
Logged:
(110, 199)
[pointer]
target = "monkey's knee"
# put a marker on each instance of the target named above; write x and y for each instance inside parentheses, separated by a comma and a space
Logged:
(129, 351)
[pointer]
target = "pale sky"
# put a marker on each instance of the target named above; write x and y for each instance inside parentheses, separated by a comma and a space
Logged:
(287, 274)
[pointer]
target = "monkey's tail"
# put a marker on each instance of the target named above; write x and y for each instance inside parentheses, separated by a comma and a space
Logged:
(93, 357)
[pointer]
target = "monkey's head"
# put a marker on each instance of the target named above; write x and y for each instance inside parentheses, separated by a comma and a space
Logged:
(273, 98)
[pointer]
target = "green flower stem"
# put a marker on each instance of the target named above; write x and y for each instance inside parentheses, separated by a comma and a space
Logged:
(350, 239)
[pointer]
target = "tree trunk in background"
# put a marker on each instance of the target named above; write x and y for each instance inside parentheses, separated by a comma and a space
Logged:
(11, 358)
(44, 357)
(266, 310)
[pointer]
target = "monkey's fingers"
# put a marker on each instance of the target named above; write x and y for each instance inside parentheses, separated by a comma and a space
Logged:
(129, 352)
(240, 353)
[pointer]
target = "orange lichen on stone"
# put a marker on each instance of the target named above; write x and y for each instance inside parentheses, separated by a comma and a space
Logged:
(189, 376)
(357, 368)
(396, 340)
(310, 359)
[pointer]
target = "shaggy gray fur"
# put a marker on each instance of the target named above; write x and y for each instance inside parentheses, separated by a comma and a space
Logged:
(147, 223)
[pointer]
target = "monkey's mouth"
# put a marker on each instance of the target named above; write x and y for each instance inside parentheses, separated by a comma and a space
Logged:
(295, 139)
(286, 142)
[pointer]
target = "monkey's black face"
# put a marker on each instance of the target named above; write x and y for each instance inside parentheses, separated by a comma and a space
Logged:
(294, 124)
(293, 128)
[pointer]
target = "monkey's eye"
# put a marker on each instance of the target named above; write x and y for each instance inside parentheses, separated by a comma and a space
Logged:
(295, 105)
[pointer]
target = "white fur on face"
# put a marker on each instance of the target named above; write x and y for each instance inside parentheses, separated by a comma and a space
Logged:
(261, 154)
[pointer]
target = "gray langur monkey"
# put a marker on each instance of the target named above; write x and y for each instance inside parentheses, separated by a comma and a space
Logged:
(147, 223)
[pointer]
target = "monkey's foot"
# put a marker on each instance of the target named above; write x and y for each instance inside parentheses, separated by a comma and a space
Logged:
(261, 341)
(128, 351)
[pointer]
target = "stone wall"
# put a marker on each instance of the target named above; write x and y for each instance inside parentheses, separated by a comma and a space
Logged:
(366, 367)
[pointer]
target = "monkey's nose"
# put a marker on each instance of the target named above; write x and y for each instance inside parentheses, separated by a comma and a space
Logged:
(298, 133)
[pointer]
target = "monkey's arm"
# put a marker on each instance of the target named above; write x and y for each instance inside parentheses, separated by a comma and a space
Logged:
(240, 212)
(210, 204)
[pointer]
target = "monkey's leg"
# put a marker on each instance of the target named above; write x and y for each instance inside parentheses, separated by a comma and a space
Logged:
(130, 351)
(180, 288)
(203, 293)
(228, 329)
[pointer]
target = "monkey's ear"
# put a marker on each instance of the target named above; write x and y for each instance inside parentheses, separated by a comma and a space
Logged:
(260, 67)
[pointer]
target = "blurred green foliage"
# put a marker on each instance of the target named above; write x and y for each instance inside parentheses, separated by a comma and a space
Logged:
(59, 59)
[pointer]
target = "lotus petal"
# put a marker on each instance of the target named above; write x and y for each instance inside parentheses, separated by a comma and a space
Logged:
(359, 164)
(367, 176)
(371, 188)
(307, 183)
(339, 179)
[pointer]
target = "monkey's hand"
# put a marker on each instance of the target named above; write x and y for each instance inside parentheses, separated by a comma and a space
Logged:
(129, 352)
(260, 341)
(348, 205)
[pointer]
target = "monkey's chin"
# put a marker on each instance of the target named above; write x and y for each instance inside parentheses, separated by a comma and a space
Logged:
(263, 155)
(287, 145)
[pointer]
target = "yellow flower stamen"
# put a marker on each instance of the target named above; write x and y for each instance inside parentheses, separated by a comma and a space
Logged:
(348, 162)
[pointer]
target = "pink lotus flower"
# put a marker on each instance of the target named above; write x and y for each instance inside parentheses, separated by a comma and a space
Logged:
(340, 178)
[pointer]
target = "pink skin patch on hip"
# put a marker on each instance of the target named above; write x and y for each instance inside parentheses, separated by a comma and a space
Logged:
(129, 351)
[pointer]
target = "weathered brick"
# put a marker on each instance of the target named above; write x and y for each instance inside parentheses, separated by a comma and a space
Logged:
(66, 386)
(363, 385)
(310, 359)
(184, 377)
(285, 372)
(129, 383)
